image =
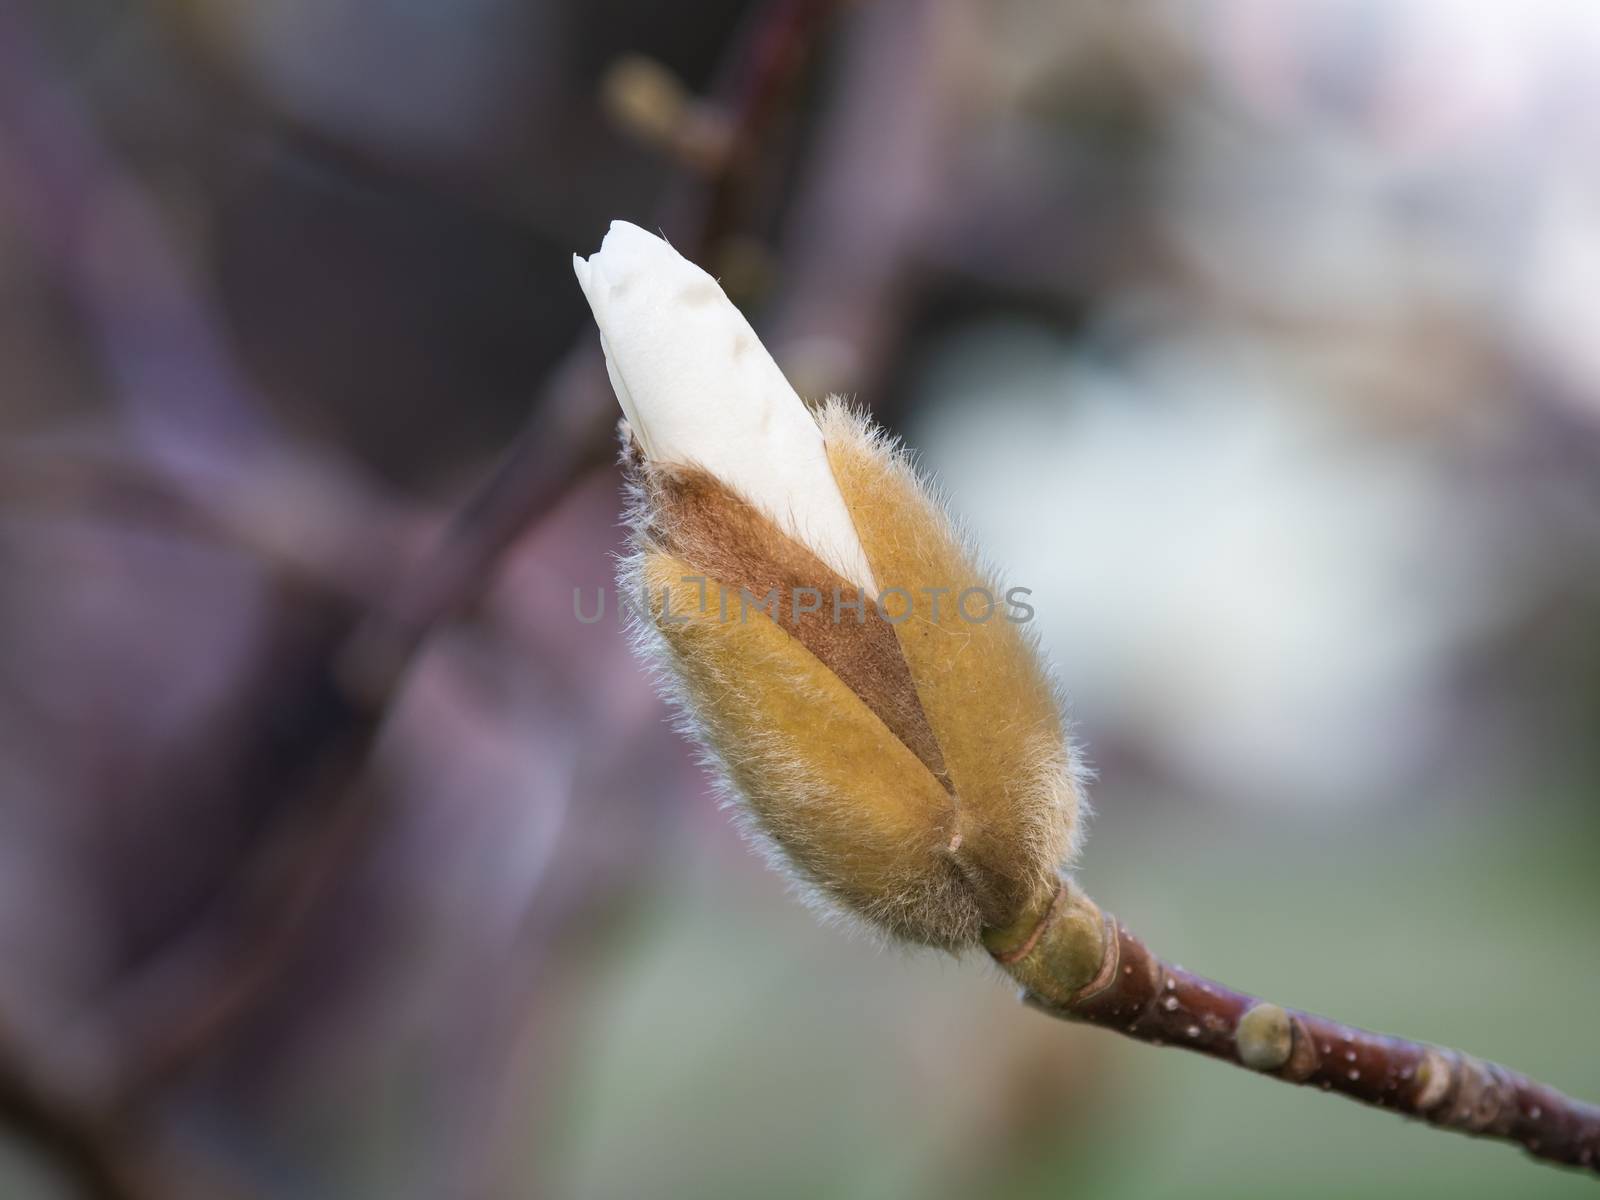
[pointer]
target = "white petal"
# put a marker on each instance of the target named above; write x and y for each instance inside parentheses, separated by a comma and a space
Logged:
(698, 387)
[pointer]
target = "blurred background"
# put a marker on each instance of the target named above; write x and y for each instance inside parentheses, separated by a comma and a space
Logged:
(338, 859)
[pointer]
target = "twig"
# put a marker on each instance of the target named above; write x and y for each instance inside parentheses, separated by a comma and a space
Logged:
(1076, 962)
(565, 436)
(231, 960)
(563, 439)
(264, 519)
(768, 69)
(335, 803)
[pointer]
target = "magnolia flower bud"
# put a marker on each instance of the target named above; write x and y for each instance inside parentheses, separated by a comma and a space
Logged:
(889, 731)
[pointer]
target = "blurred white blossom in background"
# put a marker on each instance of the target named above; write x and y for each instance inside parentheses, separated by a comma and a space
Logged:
(1223, 571)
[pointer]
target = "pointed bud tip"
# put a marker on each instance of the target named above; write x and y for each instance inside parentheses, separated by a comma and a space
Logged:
(698, 387)
(628, 252)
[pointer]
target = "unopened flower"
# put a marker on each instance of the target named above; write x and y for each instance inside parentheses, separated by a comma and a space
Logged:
(861, 683)
(901, 751)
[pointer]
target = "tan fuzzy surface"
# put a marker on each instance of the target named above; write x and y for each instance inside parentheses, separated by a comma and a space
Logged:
(983, 686)
(844, 799)
(701, 521)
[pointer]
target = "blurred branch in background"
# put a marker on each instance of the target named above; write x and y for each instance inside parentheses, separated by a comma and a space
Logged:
(307, 760)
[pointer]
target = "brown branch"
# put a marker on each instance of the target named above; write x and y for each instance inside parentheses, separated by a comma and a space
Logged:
(767, 75)
(564, 438)
(1076, 962)
(255, 933)
(264, 517)
(566, 435)
(185, 1004)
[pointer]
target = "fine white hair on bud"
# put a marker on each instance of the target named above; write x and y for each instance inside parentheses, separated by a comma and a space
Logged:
(882, 717)
(699, 389)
